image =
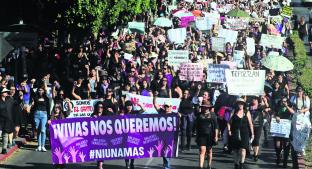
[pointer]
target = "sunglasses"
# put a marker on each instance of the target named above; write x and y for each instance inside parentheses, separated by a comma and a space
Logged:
(100, 107)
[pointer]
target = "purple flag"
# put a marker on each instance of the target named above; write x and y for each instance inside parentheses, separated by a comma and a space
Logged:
(78, 140)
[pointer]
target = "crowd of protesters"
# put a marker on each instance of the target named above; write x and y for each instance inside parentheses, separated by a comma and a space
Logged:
(97, 69)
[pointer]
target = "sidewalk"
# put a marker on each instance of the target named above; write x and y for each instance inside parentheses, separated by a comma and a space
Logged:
(19, 142)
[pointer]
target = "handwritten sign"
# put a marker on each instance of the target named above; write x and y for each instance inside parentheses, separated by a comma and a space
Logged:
(281, 129)
(245, 82)
(186, 20)
(80, 108)
(272, 41)
(213, 19)
(191, 71)
(301, 131)
(229, 35)
(176, 57)
(239, 58)
(202, 23)
(236, 23)
(287, 11)
(231, 64)
(177, 35)
(250, 46)
(218, 44)
(216, 73)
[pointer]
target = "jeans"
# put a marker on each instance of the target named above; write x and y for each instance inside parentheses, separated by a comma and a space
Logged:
(41, 118)
(166, 162)
(187, 122)
(5, 140)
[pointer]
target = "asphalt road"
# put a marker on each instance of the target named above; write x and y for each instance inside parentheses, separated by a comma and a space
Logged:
(27, 158)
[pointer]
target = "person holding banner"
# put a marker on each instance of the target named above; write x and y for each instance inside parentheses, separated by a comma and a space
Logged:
(284, 110)
(98, 112)
(41, 107)
(239, 126)
(129, 110)
(167, 110)
(186, 109)
(207, 133)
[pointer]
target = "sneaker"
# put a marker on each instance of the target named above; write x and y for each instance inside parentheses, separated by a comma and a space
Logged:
(39, 148)
(43, 149)
(256, 158)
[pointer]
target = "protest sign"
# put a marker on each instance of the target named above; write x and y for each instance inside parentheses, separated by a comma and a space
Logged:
(177, 35)
(287, 11)
(216, 73)
(272, 41)
(281, 129)
(184, 21)
(250, 46)
(176, 57)
(236, 23)
(300, 131)
(213, 19)
(191, 71)
(80, 108)
(218, 44)
(136, 26)
(202, 23)
(232, 65)
(114, 137)
(148, 105)
(245, 82)
(229, 35)
(128, 56)
(239, 58)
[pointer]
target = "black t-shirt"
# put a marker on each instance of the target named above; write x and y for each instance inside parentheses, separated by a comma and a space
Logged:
(186, 107)
(206, 125)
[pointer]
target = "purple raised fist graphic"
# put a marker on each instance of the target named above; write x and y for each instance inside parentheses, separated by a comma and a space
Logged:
(73, 153)
(66, 157)
(82, 156)
(151, 152)
(159, 147)
(59, 154)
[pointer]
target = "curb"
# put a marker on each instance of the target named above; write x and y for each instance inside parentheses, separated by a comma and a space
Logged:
(3, 157)
(19, 143)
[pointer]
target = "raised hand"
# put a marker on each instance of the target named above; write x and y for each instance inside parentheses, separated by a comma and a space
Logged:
(166, 151)
(159, 147)
(59, 154)
(82, 156)
(66, 157)
(73, 153)
(151, 152)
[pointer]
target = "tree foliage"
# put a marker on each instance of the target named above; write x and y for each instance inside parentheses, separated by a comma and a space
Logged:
(93, 14)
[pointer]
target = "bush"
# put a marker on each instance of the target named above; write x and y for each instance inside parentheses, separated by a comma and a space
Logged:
(302, 64)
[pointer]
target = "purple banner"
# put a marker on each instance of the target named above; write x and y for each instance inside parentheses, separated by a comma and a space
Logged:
(113, 137)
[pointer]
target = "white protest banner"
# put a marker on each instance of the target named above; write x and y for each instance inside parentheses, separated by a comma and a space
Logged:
(239, 58)
(177, 35)
(236, 23)
(232, 65)
(245, 82)
(218, 44)
(229, 35)
(80, 108)
(128, 56)
(213, 19)
(191, 71)
(176, 57)
(140, 26)
(202, 23)
(300, 131)
(147, 102)
(272, 41)
(281, 129)
(216, 73)
(250, 46)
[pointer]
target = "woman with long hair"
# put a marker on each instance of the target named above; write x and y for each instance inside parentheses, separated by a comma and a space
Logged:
(239, 127)
(41, 108)
(207, 133)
